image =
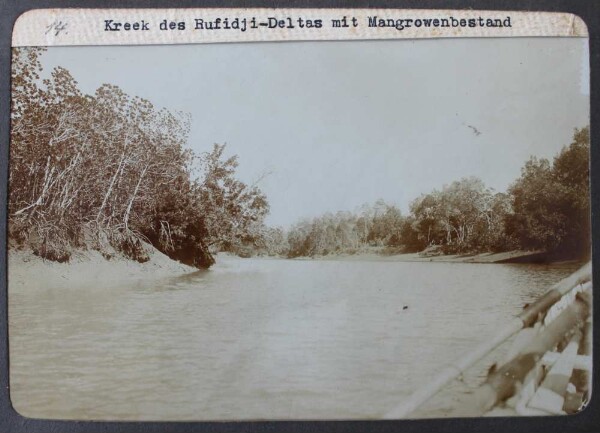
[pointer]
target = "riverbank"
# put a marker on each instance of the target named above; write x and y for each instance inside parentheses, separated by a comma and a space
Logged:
(504, 257)
(88, 268)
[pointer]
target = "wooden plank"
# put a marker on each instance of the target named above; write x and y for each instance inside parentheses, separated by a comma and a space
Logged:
(582, 362)
(528, 391)
(550, 396)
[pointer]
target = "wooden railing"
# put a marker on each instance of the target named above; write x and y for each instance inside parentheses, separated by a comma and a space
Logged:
(562, 310)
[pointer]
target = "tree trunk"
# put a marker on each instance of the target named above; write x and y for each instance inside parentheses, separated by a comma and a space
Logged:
(135, 191)
(110, 187)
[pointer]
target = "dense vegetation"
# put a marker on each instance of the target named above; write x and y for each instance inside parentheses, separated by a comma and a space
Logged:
(111, 172)
(547, 208)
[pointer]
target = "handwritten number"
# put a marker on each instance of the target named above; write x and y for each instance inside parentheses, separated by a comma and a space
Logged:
(57, 27)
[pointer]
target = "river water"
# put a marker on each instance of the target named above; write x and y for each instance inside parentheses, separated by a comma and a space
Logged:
(260, 339)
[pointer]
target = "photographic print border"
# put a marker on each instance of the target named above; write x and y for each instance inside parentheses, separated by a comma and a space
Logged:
(585, 421)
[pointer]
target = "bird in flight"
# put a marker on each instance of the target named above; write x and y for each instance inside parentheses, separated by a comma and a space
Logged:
(476, 131)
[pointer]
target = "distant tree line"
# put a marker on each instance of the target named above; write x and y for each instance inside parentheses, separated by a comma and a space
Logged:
(376, 225)
(547, 208)
(110, 171)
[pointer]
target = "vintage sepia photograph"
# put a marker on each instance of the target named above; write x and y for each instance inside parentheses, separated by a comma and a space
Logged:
(308, 230)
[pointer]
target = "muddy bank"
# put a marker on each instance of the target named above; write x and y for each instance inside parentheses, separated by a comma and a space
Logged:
(504, 257)
(88, 268)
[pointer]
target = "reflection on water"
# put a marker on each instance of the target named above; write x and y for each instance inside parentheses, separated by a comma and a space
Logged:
(258, 339)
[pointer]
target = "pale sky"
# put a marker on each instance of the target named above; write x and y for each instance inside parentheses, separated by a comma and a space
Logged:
(339, 124)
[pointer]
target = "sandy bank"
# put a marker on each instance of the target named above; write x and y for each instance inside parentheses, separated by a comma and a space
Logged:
(505, 257)
(88, 268)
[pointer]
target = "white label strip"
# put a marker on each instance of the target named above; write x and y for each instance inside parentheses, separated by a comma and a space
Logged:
(56, 27)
